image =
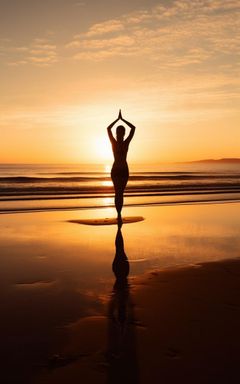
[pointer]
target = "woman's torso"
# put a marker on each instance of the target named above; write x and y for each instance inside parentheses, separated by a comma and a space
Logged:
(120, 150)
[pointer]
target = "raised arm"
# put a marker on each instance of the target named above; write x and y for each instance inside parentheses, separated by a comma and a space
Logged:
(109, 129)
(132, 130)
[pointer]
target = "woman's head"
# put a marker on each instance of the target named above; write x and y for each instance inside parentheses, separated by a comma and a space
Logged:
(120, 131)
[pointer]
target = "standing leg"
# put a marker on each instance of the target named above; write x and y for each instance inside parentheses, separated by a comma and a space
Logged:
(119, 186)
(119, 202)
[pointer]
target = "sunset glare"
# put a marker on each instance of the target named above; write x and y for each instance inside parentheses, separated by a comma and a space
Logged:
(68, 66)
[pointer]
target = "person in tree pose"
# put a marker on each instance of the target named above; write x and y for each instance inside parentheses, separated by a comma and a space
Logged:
(120, 172)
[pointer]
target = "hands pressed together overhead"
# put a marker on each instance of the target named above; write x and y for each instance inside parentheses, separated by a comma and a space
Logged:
(120, 115)
(121, 118)
(131, 126)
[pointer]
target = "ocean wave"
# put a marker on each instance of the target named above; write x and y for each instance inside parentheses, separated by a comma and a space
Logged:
(71, 204)
(134, 177)
(69, 186)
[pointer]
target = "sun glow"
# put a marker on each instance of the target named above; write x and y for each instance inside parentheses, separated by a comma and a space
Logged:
(107, 168)
(102, 149)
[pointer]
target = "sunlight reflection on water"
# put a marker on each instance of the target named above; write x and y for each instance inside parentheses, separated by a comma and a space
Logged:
(107, 183)
(108, 201)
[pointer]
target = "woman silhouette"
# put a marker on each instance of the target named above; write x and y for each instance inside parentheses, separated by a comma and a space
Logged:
(120, 173)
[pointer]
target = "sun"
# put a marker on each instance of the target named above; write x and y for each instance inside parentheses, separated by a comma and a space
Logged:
(102, 149)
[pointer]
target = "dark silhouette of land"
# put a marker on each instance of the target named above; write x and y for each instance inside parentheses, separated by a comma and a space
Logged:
(120, 172)
(216, 161)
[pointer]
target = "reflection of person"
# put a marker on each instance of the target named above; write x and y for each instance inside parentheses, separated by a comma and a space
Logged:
(120, 173)
(120, 269)
(121, 349)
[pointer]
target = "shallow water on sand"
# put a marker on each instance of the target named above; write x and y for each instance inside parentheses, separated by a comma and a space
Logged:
(53, 272)
(169, 235)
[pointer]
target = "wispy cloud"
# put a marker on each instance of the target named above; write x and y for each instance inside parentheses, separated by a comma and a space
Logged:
(105, 28)
(79, 4)
(180, 34)
(40, 51)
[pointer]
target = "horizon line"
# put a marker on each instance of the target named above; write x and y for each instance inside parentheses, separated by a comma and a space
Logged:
(227, 159)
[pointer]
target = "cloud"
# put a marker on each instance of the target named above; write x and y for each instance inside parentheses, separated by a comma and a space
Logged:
(179, 34)
(175, 35)
(17, 63)
(189, 49)
(39, 51)
(42, 54)
(101, 29)
(79, 4)
(105, 28)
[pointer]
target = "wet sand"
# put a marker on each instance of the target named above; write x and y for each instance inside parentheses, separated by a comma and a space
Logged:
(190, 321)
(64, 318)
(182, 326)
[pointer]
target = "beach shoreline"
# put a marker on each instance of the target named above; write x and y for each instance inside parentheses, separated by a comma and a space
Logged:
(59, 293)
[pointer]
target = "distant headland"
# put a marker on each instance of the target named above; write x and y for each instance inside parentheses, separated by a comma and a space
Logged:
(228, 160)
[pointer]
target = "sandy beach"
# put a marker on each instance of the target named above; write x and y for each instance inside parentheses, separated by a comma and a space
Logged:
(66, 318)
(182, 325)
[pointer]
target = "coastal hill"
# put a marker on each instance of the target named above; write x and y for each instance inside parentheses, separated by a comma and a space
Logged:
(224, 160)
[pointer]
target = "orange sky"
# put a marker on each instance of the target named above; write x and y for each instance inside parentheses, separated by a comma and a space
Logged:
(67, 66)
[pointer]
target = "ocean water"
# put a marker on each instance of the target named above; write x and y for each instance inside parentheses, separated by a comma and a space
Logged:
(26, 187)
